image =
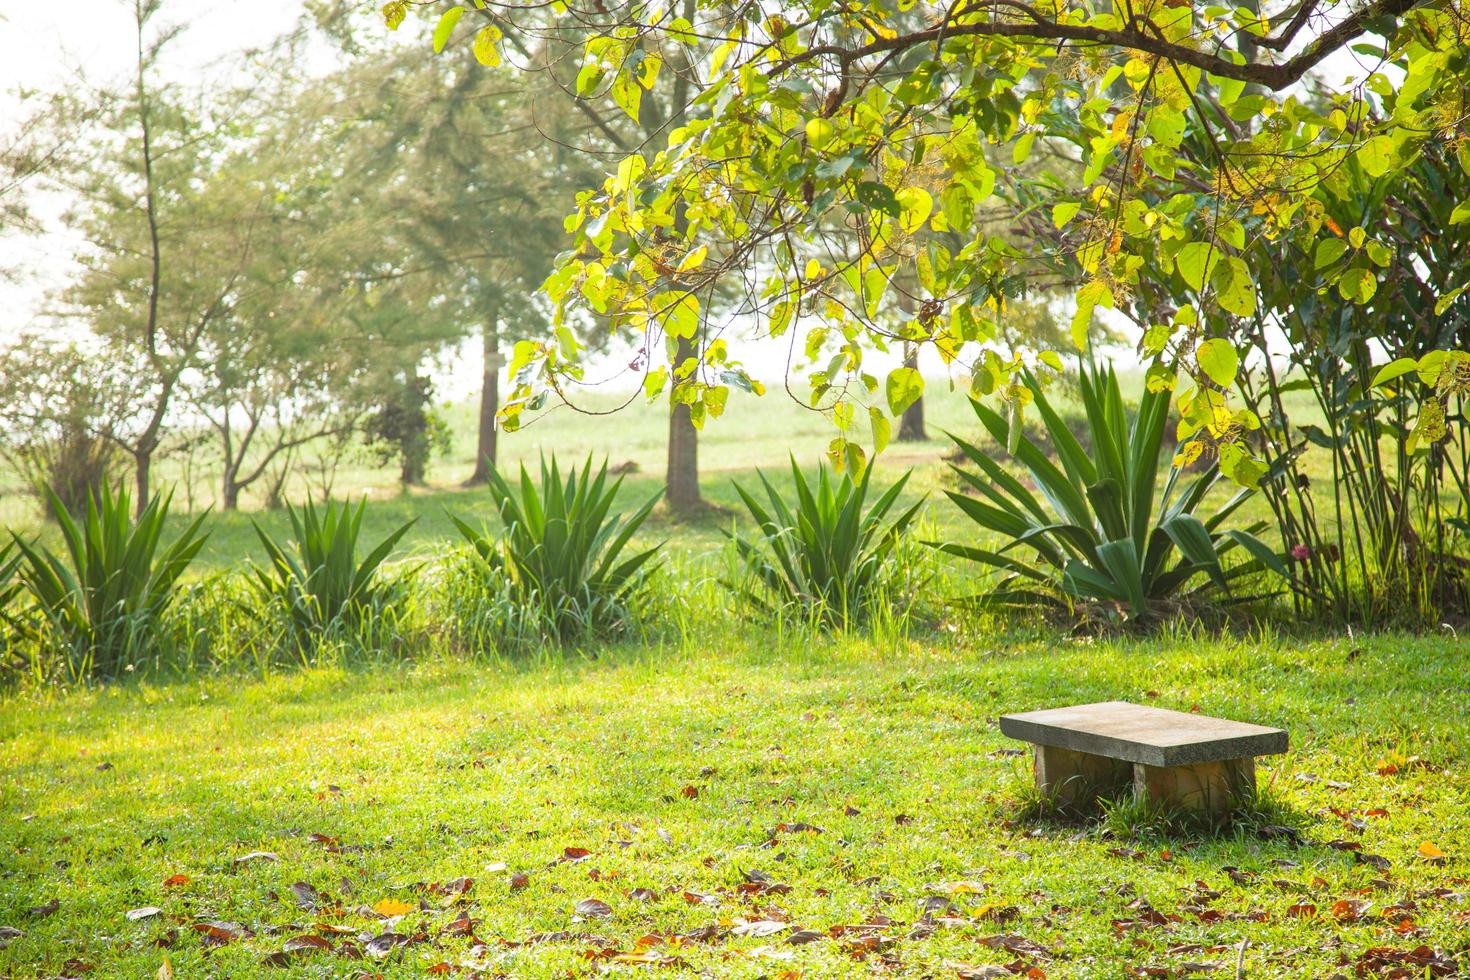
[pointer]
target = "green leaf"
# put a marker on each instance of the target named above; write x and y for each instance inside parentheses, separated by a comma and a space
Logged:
(904, 387)
(1461, 214)
(1357, 285)
(1022, 149)
(1234, 288)
(1195, 262)
(1445, 301)
(1329, 250)
(486, 51)
(878, 197)
(1394, 370)
(1376, 156)
(1064, 212)
(882, 429)
(445, 27)
(1219, 361)
(1092, 295)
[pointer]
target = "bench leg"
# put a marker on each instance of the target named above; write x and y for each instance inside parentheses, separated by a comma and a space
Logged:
(1209, 787)
(1077, 778)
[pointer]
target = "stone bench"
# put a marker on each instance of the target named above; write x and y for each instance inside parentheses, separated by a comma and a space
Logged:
(1098, 750)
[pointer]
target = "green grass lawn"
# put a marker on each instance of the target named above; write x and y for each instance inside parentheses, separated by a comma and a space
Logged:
(854, 795)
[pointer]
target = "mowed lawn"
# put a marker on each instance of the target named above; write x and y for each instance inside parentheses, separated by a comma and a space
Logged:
(748, 805)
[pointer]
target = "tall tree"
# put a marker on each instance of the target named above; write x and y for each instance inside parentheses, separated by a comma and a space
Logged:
(828, 119)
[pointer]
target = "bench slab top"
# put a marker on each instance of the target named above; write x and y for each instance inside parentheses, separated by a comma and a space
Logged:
(1138, 733)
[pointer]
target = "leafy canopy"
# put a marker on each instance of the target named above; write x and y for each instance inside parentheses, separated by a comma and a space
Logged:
(833, 147)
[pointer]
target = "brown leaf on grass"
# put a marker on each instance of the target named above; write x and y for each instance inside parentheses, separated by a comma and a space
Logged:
(456, 887)
(647, 957)
(1348, 909)
(145, 912)
(332, 928)
(1017, 945)
(642, 894)
(803, 936)
(1302, 910)
(1430, 852)
(594, 908)
(519, 880)
(463, 925)
(380, 946)
(306, 896)
(176, 881)
(690, 792)
(307, 944)
(49, 908)
(8, 935)
(572, 855)
(760, 928)
(986, 972)
(701, 898)
(219, 932)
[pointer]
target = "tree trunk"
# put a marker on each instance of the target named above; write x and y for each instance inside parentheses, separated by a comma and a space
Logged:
(143, 466)
(489, 403)
(911, 426)
(682, 475)
(230, 492)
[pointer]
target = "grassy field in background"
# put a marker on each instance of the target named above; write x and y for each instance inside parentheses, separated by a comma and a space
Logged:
(754, 433)
(739, 804)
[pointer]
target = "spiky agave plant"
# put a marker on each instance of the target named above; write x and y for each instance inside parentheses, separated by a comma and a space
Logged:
(1091, 531)
(102, 600)
(316, 577)
(827, 555)
(10, 585)
(560, 549)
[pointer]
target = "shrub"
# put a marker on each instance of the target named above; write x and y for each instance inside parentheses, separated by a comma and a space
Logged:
(1093, 529)
(827, 556)
(316, 578)
(559, 556)
(102, 601)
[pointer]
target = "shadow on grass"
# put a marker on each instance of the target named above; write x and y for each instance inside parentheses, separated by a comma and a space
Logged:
(1262, 816)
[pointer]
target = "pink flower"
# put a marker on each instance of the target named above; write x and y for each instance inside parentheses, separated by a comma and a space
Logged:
(1301, 552)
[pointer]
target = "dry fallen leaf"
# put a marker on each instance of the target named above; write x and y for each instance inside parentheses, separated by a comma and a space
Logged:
(176, 881)
(146, 912)
(256, 856)
(759, 928)
(389, 907)
(594, 907)
(1431, 853)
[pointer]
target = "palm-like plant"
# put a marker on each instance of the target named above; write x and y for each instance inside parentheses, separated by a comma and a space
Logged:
(10, 585)
(103, 599)
(316, 578)
(827, 556)
(1091, 528)
(560, 549)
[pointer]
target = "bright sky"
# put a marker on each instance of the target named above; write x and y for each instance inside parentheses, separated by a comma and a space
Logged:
(51, 46)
